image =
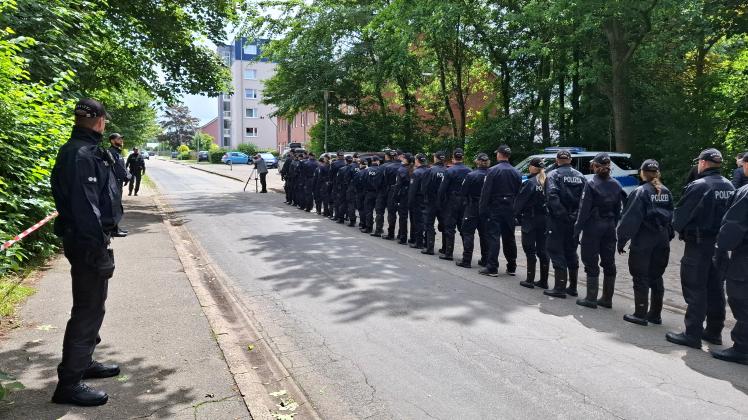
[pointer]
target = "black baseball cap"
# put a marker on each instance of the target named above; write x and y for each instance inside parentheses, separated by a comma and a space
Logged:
(601, 158)
(563, 154)
(537, 162)
(745, 157)
(441, 155)
(90, 108)
(458, 153)
(114, 136)
(711, 155)
(409, 157)
(375, 158)
(650, 165)
(393, 153)
(349, 158)
(741, 155)
(340, 153)
(482, 157)
(421, 158)
(504, 150)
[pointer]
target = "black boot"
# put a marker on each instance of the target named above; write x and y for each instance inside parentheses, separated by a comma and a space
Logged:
(79, 394)
(429, 248)
(448, 251)
(640, 309)
(543, 283)
(609, 284)
(511, 268)
(683, 340)
(654, 316)
(590, 300)
(559, 288)
(529, 282)
(731, 355)
(572, 289)
(464, 263)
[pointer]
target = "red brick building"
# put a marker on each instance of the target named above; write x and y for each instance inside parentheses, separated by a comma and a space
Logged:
(212, 129)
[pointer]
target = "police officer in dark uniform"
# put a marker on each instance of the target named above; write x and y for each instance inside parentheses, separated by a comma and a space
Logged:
(530, 211)
(416, 201)
(307, 173)
(334, 168)
(402, 187)
(116, 142)
(733, 237)
(500, 189)
(359, 185)
(85, 190)
(321, 176)
(738, 176)
(373, 179)
(136, 164)
(284, 172)
(431, 206)
(646, 221)
(341, 187)
(300, 182)
(470, 190)
(452, 202)
(697, 220)
(599, 211)
(350, 191)
(292, 176)
(390, 180)
(563, 189)
(382, 193)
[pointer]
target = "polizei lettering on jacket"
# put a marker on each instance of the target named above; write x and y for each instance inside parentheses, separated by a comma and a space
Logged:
(572, 180)
(660, 198)
(723, 195)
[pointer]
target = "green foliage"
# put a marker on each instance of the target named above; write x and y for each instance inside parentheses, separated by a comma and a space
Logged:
(201, 141)
(12, 292)
(179, 125)
(183, 149)
(8, 384)
(216, 154)
(249, 149)
(184, 155)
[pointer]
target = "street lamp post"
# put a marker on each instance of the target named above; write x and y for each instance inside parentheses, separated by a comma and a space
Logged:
(326, 94)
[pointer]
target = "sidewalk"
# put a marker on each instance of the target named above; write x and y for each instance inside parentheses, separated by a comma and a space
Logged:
(237, 172)
(154, 328)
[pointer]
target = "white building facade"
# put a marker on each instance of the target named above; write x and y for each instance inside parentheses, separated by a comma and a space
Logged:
(242, 117)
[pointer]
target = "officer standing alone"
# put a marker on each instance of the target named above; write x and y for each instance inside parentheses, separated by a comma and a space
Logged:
(500, 189)
(733, 237)
(646, 221)
(136, 165)
(599, 211)
(697, 219)
(85, 190)
(564, 187)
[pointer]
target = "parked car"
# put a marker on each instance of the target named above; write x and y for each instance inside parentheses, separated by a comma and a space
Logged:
(203, 156)
(151, 153)
(174, 155)
(270, 160)
(145, 155)
(622, 167)
(235, 158)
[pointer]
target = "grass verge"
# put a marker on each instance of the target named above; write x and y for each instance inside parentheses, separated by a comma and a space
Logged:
(12, 292)
(148, 181)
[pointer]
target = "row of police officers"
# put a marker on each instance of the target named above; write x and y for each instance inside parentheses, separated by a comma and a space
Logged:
(562, 215)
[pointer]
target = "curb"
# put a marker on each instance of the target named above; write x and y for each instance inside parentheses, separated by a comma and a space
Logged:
(255, 368)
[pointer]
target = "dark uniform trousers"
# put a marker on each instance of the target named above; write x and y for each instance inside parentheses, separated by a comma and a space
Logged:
(416, 209)
(402, 219)
(561, 246)
(392, 210)
(135, 181)
(380, 206)
(598, 246)
(703, 289)
(320, 198)
(370, 201)
(430, 215)
(648, 259)
(341, 204)
(470, 223)
(350, 200)
(737, 296)
(453, 212)
(308, 194)
(89, 296)
(361, 207)
(533, 237)
(500, 227)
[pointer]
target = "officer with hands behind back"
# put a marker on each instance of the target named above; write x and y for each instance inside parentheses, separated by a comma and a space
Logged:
(84, 186)
(697, 220)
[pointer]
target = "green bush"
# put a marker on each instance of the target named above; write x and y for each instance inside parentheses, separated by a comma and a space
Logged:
(184, 156)
(183, 149)
(216, 154)
(248, 149)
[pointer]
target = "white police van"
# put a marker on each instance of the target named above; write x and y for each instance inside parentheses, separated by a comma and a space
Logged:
(621, 167)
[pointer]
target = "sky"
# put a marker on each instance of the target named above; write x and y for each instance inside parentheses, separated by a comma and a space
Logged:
(202, 107)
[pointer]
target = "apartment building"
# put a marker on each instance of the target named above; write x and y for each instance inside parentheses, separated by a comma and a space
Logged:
(241, 115)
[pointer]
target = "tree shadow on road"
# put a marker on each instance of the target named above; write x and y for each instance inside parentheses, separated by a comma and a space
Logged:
(138, 392)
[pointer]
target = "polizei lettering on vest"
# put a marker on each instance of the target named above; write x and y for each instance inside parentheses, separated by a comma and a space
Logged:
(572, 180)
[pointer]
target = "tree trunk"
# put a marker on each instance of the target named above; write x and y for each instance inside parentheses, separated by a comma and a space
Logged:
(545, 97)
(561, 105)
(618, 93)
(506, 87)
(576, 93)
(445, 94)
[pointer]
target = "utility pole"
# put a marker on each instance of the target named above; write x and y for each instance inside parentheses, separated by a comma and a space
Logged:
(326, 94)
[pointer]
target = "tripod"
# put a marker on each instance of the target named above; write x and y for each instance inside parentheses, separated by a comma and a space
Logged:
(253, 173)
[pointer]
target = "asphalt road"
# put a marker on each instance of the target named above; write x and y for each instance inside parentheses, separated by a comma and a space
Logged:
(371, 329)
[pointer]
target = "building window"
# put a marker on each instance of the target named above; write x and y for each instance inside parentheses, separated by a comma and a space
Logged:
(250, 74)
(250, 112)
(250, 132)
(226, 141)
(250, 93)
(227, 109)
(250, 49)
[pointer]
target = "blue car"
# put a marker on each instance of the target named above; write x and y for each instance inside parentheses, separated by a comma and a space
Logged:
(235, 157)
(270, 160)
